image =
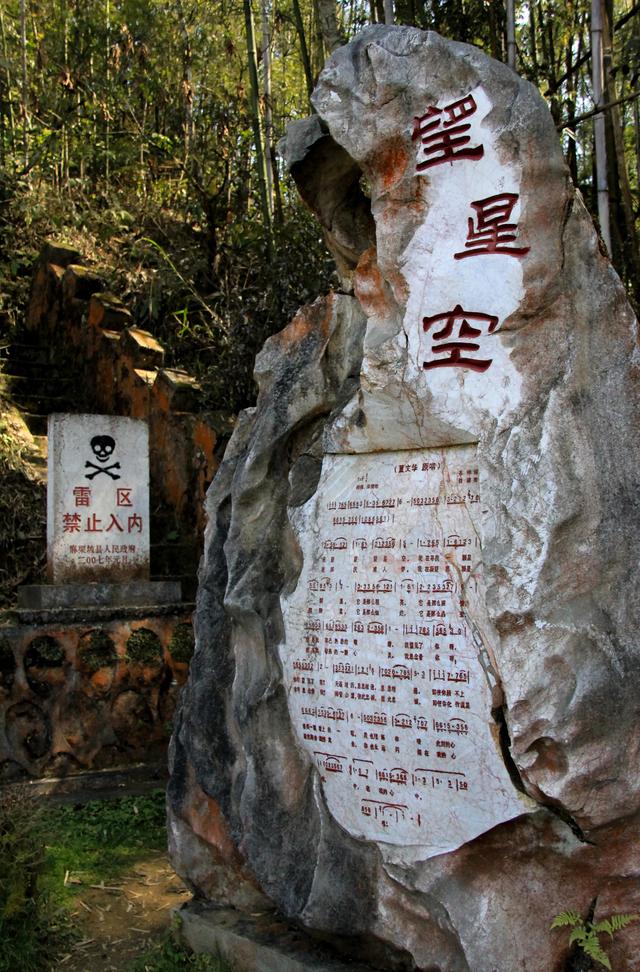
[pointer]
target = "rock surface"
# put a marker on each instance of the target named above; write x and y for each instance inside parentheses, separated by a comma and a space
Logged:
(539, 378)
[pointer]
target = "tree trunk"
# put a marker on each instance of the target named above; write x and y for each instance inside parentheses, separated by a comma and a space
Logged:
(572, 158)
(24, 94)
(511, 34)
(328, 21)
(5, 55)
(388, 12)
(266, 92)
(304, 50)
(533, 43)
(187, 84)
(107, 124)
(636, 128)
(252, 60)
(597, 66)
(629, 251)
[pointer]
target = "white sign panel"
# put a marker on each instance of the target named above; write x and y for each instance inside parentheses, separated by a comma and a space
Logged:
(387, 656)
(97, 499)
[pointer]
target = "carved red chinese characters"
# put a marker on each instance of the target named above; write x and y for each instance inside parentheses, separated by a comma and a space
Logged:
(443, 133)
(464, 340)
(492, 231)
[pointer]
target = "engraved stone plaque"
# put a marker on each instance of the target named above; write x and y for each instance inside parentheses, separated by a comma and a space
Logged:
(387, 656)
(97, 499)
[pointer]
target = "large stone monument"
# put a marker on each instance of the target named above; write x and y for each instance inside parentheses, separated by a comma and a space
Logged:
(411, 720)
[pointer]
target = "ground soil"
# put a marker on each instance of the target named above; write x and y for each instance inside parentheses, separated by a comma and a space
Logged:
(125, 918)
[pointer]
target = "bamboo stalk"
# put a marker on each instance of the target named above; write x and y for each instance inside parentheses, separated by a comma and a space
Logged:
(252, 60)
(597, 64)
(511, 34)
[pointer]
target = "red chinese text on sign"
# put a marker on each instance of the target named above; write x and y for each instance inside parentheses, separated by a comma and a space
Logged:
(457, 351)
(492, 231)
(123, 496)
(443, 133)
(71, 522)
(82, 495)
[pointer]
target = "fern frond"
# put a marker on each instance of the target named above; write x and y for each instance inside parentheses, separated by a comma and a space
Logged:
(593, 949)
(567, 918)
(616, 922)
(578, 934)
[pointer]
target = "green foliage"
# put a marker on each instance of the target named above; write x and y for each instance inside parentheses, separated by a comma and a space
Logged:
(182, 643)
(586, 933)
(100, 839)
(99, 651)
(44, 651)
(32, 932)
(22, 504)
(144, 647)
(566, 919)
(171, 956)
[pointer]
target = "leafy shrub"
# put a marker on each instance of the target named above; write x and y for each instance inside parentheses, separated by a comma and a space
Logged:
(44, 652)
(22, 500)
(144, 647)
(182, 643)
(99, 651)
(32, 933)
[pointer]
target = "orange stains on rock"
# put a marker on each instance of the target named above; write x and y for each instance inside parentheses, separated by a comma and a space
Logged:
(390, 164)
(370, 287)
(204, 816)
(315, 317)
(205, 439)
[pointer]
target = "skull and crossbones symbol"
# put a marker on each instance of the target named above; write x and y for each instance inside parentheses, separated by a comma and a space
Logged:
(102, 446)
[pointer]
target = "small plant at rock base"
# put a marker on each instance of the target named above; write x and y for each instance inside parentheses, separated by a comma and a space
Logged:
(587, 933)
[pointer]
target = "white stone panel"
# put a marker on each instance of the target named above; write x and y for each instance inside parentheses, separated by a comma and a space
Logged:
(388, 660)
(97, 499)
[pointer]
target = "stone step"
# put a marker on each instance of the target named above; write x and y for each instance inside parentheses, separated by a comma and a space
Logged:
(257, 942)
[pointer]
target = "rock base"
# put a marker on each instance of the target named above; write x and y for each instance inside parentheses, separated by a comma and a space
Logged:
(257, 943)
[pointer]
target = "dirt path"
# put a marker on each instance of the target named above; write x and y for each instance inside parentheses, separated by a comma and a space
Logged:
(125, 918)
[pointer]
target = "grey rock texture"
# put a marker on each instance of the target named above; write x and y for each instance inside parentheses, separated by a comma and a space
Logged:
(558, 450)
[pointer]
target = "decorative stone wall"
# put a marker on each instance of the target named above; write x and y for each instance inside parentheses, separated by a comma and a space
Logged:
(469, 403)
(75, 697)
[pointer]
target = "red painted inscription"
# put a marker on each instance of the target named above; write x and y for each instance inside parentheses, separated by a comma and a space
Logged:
(492, 232)
(457, 351)
(444, 133)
